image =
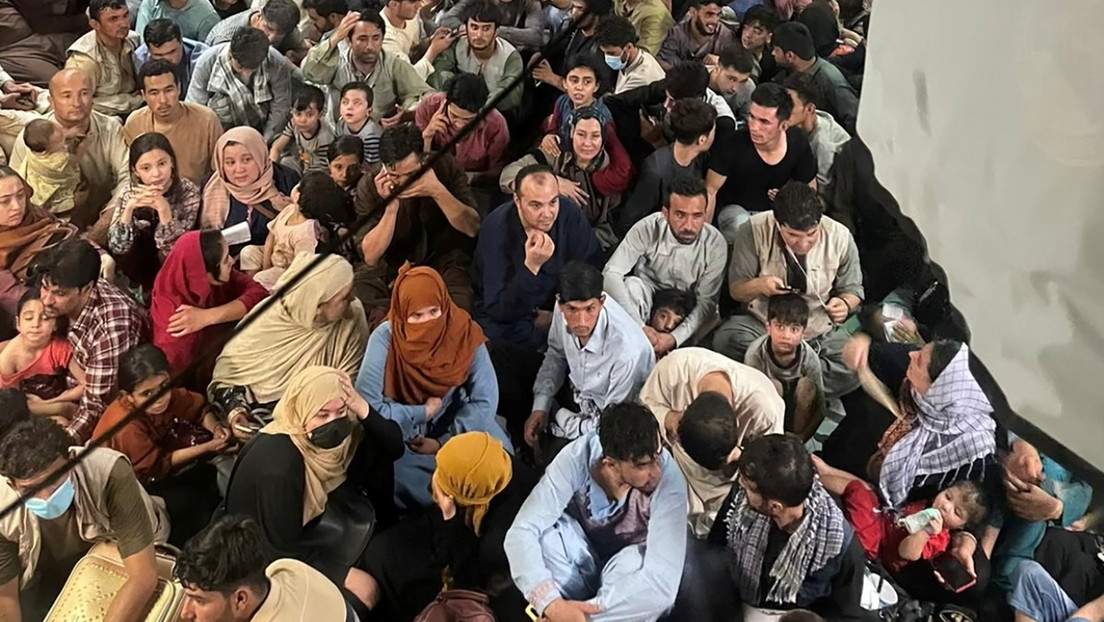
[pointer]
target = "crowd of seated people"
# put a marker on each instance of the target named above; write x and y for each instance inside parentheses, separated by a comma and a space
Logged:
(545, 310)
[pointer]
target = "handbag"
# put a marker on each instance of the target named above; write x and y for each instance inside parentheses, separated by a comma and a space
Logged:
(98, 577)
(458, 606)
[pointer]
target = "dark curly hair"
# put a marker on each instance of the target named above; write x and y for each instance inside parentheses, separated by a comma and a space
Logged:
(30, 447)
(628, 432)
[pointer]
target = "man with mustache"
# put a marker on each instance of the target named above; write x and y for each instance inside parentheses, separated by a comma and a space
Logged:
(396, 86)
(106, 57)
(676, 248)
(700, 38)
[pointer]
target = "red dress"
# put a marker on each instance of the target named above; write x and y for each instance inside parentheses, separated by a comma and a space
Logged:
(878, 531)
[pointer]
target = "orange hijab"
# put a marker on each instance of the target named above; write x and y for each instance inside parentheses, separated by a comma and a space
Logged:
(426, 360)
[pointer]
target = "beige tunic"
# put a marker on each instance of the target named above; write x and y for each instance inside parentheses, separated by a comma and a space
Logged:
(192, 136)
(673, 385)
(112, 77)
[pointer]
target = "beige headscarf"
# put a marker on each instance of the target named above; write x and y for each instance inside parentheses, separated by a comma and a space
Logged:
(217, 192)
(266, 354)
(307, 393)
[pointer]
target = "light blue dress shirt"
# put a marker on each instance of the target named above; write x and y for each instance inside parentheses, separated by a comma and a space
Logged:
(643, 594)
(609, 369)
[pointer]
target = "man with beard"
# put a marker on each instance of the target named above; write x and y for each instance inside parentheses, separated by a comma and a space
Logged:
(162, 40)
(699, 38)
(788, 543)
(396, 87)
(677, 249)
(192, 129)
(791, 364)
(521, 252)
(481, 52)
(602, 537)
(795, 53)
(746, 171)
(104, 322)
(596, 345)
(106, 56)
(796, 249)
(102, 155)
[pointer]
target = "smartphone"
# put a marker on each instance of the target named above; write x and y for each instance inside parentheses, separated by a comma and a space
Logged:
(953, 572)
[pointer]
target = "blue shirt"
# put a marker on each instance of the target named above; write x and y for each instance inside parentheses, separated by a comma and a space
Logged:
(609, 369)
(192, 52)
(652, 589)
(474, 403)
(506, 292)
(195, 20)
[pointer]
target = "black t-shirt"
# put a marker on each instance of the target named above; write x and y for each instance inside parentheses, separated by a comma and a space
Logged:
(749, 177)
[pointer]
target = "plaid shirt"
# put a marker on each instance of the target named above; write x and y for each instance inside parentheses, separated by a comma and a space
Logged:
(110, 323)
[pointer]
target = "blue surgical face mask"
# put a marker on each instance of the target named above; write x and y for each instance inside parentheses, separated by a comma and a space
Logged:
(56, 505)
(615, 63)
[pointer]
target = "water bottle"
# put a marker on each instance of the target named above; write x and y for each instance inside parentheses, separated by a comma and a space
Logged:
(916, 522)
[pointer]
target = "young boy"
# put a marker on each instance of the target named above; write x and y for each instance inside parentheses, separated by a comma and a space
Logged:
(50, 168)
(669, 308)
(791, 363)
(310, 134)
(356, 118)
(961, 506)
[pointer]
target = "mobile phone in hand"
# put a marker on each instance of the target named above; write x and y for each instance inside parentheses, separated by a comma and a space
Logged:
(953, 572)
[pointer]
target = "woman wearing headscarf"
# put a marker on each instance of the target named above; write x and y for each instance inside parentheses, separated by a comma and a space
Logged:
(322, 433)
(246, 186)
(197, 295)
(478, 490)
(427, 369)
(25, 231)
(589, 173)
(315, 322)
(935, 429)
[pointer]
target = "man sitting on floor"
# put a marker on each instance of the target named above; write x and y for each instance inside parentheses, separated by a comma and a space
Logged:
(788, 542)
(598, 346)
(707, 404)
(795, 249)
(677, 249)
(602, 537)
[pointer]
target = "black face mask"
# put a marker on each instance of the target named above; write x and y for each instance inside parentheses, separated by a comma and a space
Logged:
(331, 434)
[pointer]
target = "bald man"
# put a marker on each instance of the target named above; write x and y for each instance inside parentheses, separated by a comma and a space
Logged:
(102, 153)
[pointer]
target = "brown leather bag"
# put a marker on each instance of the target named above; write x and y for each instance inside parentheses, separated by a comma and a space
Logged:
(458, 606)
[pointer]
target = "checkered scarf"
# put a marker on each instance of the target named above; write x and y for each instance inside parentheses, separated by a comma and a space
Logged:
(953, 428)
(246, 106)
(819, 539)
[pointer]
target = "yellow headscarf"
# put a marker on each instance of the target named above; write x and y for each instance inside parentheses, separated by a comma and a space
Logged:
(472, 468)
(307, 393)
